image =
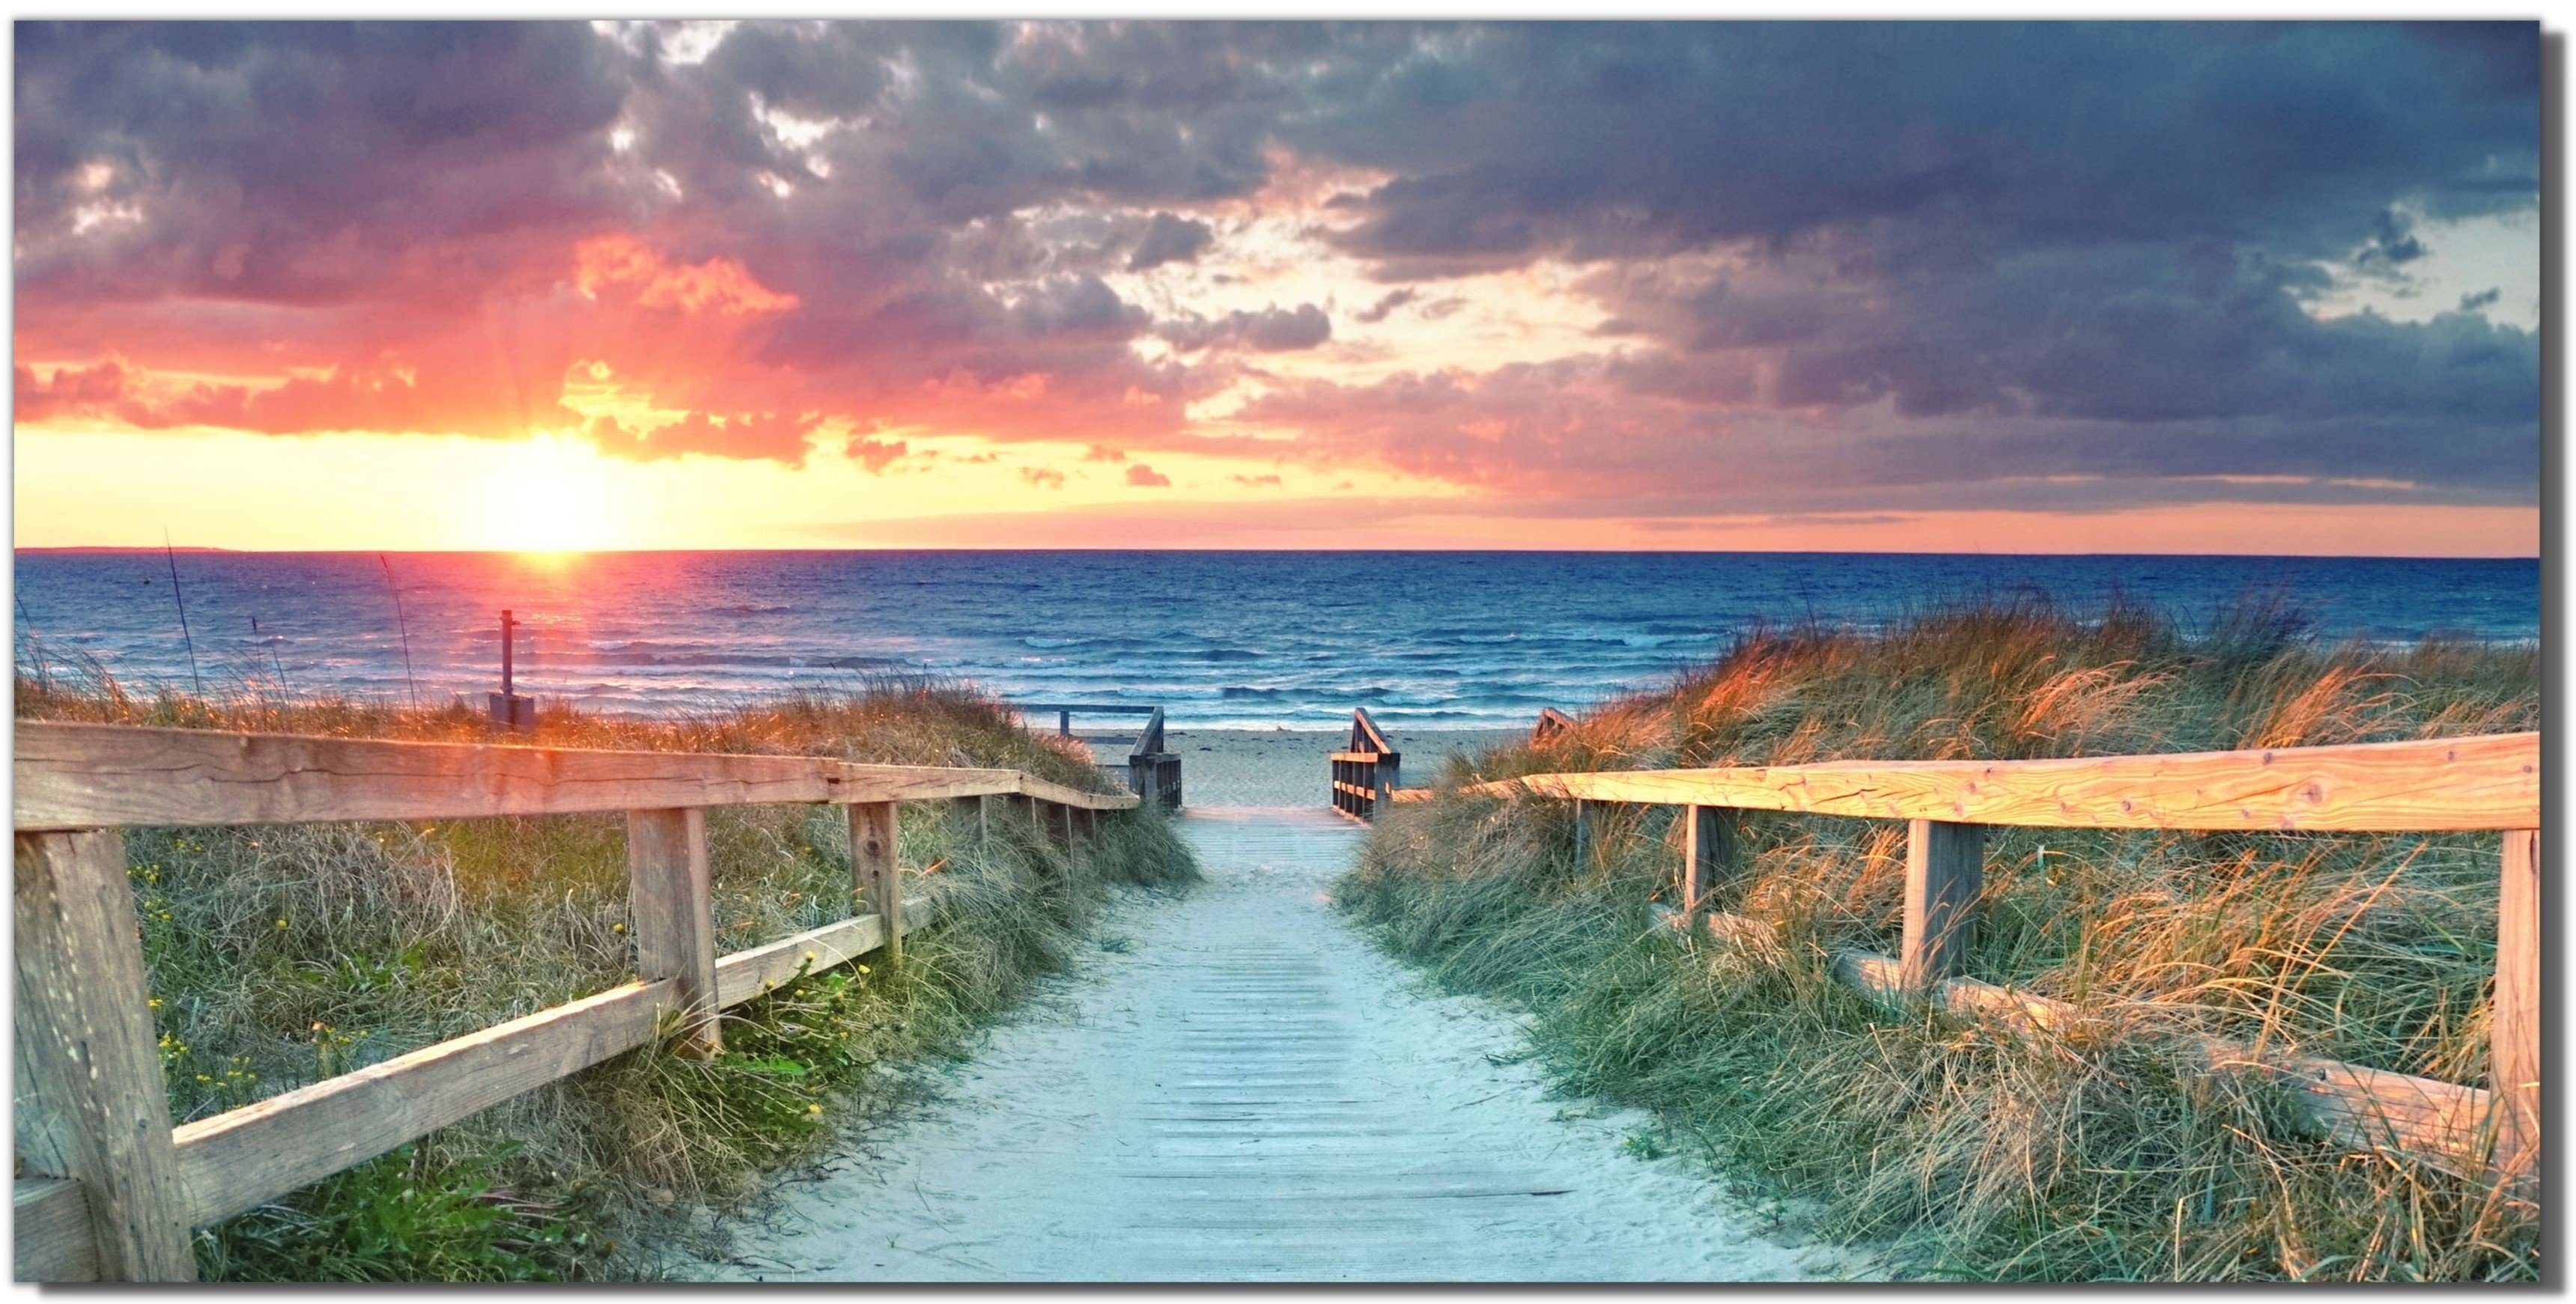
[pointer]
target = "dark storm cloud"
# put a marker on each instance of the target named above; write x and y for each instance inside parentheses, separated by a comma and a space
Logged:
(2079, 222)
(1169, 239)
(2003, 256)
(1513, 139)
(303, 163)
(1271, 330)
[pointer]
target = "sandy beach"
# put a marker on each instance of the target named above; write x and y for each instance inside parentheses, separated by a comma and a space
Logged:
(1288, 767)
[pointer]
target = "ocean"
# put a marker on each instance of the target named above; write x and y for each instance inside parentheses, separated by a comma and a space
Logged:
(1219, 639)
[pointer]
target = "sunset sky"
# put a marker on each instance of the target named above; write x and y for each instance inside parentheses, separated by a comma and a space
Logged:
(2084, 288)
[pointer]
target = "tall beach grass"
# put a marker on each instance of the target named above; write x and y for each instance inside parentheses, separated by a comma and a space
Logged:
(1969, 1151)
(278, 956)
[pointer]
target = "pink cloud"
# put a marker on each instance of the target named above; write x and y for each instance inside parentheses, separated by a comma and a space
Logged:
(621, 262)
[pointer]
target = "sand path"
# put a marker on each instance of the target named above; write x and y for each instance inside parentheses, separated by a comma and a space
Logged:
(1249, 1091)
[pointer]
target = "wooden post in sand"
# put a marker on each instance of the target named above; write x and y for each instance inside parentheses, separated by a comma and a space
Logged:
(1944, 871)
(91, 1106)
(2513, 1052)
(874, 874)
(1708, 852)
(666, 867)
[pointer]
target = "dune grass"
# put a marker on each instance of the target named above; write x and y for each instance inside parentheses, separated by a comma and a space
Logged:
(278, 956)
(1965, 1150)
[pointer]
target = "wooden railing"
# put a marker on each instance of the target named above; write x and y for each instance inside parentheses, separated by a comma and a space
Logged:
(1367, 772)
(1551, 722)
(108, 1189)
(2483, 784)
(1153, 773)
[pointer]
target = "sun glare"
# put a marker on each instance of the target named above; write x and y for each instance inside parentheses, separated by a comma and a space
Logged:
(549, 498)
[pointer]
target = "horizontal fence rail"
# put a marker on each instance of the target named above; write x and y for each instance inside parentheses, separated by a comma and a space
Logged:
(74, 776)
(2438, 785)
(2457, 785)
(107, 1189)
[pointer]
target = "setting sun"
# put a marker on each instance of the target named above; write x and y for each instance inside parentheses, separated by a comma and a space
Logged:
(551, 497)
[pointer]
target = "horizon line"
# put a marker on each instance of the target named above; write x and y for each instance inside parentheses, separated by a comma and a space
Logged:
(1534, 551)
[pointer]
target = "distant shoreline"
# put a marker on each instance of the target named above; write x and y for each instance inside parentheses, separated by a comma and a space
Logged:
(1290, 767)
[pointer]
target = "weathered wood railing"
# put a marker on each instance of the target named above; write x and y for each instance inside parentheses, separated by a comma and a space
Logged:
(1153, 773)
(2483, 784)
(1367, 772)
(108, 1189)
(1551, 722)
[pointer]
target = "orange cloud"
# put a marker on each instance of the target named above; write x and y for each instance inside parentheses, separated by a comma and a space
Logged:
(777, 437)
(385, 396)
(718, 285)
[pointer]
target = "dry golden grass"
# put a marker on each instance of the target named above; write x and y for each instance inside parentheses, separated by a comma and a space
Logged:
(1978, 1153)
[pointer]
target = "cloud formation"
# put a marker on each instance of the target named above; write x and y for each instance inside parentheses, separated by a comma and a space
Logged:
(1270, 330)
(1832, 267)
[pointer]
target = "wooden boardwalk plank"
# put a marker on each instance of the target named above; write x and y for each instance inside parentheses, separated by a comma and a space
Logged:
(1248, 1092)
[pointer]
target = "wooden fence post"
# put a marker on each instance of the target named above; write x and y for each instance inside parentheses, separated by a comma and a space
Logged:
(675, 935)
(1586, 826)
(970, 812)
(90, 1102)
(874, 874)
(2513, 1053)
(1944, 872)
(1708, 852)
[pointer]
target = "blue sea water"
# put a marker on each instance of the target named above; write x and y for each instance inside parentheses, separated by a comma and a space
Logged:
(1220, 639)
